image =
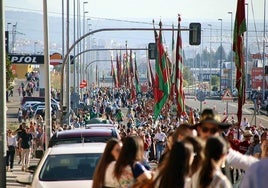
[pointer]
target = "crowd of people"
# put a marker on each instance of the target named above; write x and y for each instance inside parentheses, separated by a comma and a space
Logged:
(197, 155)
(198, 152)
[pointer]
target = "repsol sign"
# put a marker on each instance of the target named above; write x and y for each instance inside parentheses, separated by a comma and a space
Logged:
(26, 59)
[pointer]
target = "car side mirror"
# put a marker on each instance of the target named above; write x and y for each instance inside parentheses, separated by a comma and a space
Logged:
(25, 179)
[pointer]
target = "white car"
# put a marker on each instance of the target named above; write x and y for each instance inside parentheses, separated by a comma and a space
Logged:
(66, 165)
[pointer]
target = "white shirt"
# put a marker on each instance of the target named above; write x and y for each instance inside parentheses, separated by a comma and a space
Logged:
(109, 179)
(240, 161)
(11, 141)
(219, 180)
(160, 137)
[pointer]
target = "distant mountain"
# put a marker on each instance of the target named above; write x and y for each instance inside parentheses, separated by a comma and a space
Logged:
(29, 33)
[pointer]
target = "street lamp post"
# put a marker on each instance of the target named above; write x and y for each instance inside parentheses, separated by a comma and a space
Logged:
(247, 83)
(220, 56)
(210, 83)
(231, 77)
(9, 23)
(263, 54)
(84, 41)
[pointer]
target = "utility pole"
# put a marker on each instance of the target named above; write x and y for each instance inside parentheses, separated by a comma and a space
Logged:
(210, 83)
(2, 98)
(220, 57)
(232, 63)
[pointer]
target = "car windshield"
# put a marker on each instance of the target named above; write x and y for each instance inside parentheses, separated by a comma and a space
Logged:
(64, 167)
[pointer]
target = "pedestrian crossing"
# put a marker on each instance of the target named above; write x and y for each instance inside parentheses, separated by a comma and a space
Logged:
(11, 177)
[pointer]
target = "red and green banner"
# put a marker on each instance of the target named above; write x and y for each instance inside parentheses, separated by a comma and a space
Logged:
(113, 74)
(136, 76)
(161, 85)
(150, 75)
(179, 74)
(238, 44)
(119, 70)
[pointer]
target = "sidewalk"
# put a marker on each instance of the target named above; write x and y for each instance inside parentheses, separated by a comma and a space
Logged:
(13, 105)
(11, 177)
(12, 123)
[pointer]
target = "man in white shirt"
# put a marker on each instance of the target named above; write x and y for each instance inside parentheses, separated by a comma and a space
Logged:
(160, 140)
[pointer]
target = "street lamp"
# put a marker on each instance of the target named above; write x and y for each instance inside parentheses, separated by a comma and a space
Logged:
(247, 83)
(231, 77)
(9, 23)
(220, 56)
(84, 41)
(210, 83)
(263, 54)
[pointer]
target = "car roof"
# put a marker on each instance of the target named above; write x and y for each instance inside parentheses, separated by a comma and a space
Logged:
(83, 133)
(93, 147)
(99, 125)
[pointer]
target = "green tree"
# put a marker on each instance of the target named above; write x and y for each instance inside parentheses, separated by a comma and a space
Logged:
(215, 81)
(187, 77)
(218, 53)
(9, 74)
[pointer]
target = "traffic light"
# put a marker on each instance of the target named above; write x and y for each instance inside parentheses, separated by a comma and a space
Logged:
(266, 69)
(195, 34)
(152, 50)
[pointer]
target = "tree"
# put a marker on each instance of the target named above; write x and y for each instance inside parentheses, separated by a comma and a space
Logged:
(187, 76)
(9, 74)
(215, 81)
(218, 53)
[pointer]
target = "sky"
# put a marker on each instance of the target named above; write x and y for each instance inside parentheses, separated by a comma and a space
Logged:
(194, 10)
(203, 11)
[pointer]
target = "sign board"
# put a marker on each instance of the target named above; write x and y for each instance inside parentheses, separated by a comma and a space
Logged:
(227, 95)
(26, 59)
(201, 96)
(55, 59)
(256, 77)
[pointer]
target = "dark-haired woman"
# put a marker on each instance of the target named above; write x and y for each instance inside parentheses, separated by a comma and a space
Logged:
(176, 167)
(129, 168)
(210, 174)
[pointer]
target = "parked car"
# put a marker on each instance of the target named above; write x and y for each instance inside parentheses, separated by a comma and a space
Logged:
(29, 104)
(67, 165)
(24, 99)
(83, 135)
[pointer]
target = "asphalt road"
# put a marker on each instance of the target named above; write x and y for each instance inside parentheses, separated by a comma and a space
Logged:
(230, 108)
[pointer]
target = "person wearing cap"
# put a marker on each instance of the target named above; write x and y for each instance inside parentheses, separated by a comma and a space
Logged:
(244, 145)
(210, 125)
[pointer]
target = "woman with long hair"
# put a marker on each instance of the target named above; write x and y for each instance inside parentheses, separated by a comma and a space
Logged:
(110, 154)
(210, 174)
(198, 153)
(176, 167)
(129, 168)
